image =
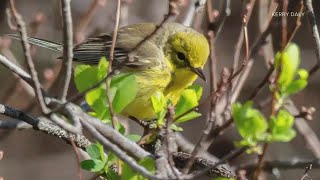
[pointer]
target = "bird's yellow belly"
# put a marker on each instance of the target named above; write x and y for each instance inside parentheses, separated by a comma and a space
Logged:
(149, 84)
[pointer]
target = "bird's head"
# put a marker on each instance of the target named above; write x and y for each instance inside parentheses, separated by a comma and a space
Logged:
(189, 50)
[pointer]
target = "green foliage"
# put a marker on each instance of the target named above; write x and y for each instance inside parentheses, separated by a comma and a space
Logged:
(250, 123)
(123, 89)
(189, 99)
(159, 105)
(129, 173)
(291, 79)
(253, 127)
(99, 162)
(281, 127)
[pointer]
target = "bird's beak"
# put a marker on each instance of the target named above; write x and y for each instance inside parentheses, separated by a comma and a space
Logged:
(199, 72)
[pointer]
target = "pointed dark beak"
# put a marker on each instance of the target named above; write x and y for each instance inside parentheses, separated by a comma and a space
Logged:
(200, 73)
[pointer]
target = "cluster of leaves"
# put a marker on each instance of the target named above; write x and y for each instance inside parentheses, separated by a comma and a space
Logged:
(189, 99)
(252, 125)
(104, 164)
(123, 89)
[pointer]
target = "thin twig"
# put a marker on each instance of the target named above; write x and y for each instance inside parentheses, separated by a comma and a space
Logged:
(228, 157)
(224, 82)
(298, 22)
(77, 153)
(315, 33)
(114, 39)
(294, 163)
(27, 55)
(67, 48)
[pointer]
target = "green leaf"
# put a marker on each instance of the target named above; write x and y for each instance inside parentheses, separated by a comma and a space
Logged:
(187, 117)
(94, 151)
(176, 128)
(187, 101)
(288, 62)
(129, 173)
(250, 123)
(198, 89)
(127, 89)
(134, 137)
(158, 102)
(111, 175)
(93, 165)
(298, 84)
(85, 77)
(281, 127)
(102, 68)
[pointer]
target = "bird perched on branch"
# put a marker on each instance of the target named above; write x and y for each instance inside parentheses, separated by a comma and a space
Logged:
(168, 61)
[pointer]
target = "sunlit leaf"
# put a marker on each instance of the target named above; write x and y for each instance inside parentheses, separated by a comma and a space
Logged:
(187, 101)
(281, 127)
(250, 123)
(129, 173)
(93, 165)
(127, 89)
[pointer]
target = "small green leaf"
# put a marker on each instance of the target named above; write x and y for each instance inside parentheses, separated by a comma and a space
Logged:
(93, 165)
(281, 127)
(129, 173)
(187, 117)
(127, 89)
(158, 102)
(187, 101)
(121, 129)
(94, 151)
(198, 89)
(102, 68)
(176, 128)
(288, 62)
(134, 137)
(111, 175)
(85, 77)
(250, 123)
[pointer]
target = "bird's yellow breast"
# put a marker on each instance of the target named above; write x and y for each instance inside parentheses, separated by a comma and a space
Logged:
(150, 81)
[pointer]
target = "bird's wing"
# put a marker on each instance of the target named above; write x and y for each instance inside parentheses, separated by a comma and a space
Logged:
(91, 51)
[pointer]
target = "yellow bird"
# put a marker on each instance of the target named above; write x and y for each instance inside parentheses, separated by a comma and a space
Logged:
(168, 62)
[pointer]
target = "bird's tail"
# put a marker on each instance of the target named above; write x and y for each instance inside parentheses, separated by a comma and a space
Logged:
(40, 42)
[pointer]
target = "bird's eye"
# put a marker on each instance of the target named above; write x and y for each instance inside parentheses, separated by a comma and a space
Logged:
(181, 56)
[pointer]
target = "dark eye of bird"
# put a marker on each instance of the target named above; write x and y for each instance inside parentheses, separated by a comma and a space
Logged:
(181, 56)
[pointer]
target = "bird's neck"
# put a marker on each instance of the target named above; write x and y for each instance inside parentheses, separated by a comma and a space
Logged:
(180, 80)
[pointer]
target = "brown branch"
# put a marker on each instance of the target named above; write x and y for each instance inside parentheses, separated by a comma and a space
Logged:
(67, 48)
(315, 33)
(77, 153)
(26, 48)
(114, 39)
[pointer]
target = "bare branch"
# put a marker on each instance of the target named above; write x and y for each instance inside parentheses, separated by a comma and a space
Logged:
(67, 48)
(44, 125)
(113, 44)
(315, 33)
(26, 48)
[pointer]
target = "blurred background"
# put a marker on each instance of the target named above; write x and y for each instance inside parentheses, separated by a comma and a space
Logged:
(29, 154)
